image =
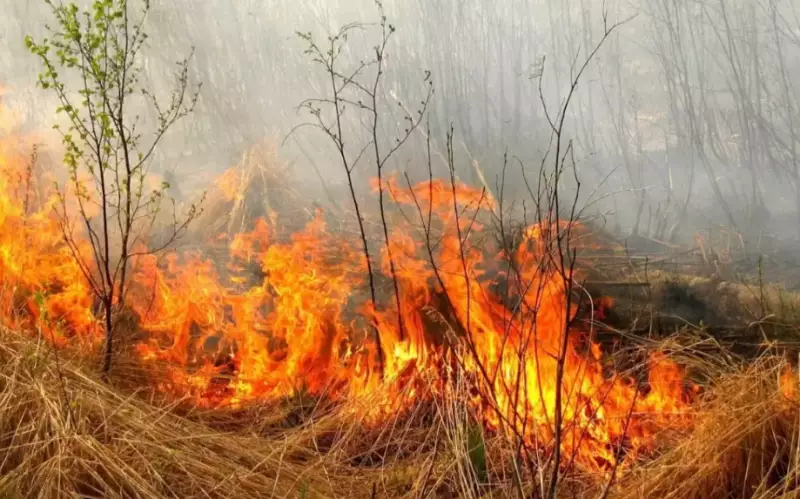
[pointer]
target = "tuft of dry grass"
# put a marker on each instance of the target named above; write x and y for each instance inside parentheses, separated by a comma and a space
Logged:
(745, 444)
(81, 438)
(257, 186)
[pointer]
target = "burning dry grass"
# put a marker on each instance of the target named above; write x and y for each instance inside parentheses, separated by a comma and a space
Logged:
(745, 443)
(297, 406)
(254, 188)
(81, 437)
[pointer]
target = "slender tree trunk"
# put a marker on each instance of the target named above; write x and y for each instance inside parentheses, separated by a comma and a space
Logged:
(108, 308)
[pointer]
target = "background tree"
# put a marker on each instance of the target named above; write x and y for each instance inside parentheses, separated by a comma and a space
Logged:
(360, 88)
(106, 199)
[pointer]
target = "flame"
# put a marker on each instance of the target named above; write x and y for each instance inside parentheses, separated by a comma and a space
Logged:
(289, 315)
(787, 383)
(228, 183)
(34, 261)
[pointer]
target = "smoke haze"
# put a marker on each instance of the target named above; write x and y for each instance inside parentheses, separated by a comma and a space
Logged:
(685, 119)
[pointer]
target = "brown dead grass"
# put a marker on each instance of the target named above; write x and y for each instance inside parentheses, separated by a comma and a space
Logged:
(745, 444)
(86, 438)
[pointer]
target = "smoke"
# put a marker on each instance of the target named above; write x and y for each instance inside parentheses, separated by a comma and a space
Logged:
(686, 119)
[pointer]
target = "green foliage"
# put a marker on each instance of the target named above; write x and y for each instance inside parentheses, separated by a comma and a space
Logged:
(92, 63)
(476, 450)
(303, 489)
(38, 298)
(98, 48)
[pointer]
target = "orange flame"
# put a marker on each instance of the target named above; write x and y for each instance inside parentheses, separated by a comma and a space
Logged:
(291, 315)
(787, 383)
(33, 258)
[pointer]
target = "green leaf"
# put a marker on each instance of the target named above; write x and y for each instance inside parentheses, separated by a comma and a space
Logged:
(476, 449)
(39, 299)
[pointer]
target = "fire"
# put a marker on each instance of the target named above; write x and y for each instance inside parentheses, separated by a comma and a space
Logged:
(291, 315)
(34, 261)
(787, 383)
(228, 183)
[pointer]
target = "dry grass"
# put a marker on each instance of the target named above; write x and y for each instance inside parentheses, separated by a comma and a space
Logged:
(84, 439)
(745, 444)
(258, 185)
(108, 442)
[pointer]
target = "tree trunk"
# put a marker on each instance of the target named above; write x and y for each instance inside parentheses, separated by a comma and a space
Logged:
(107, 305)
